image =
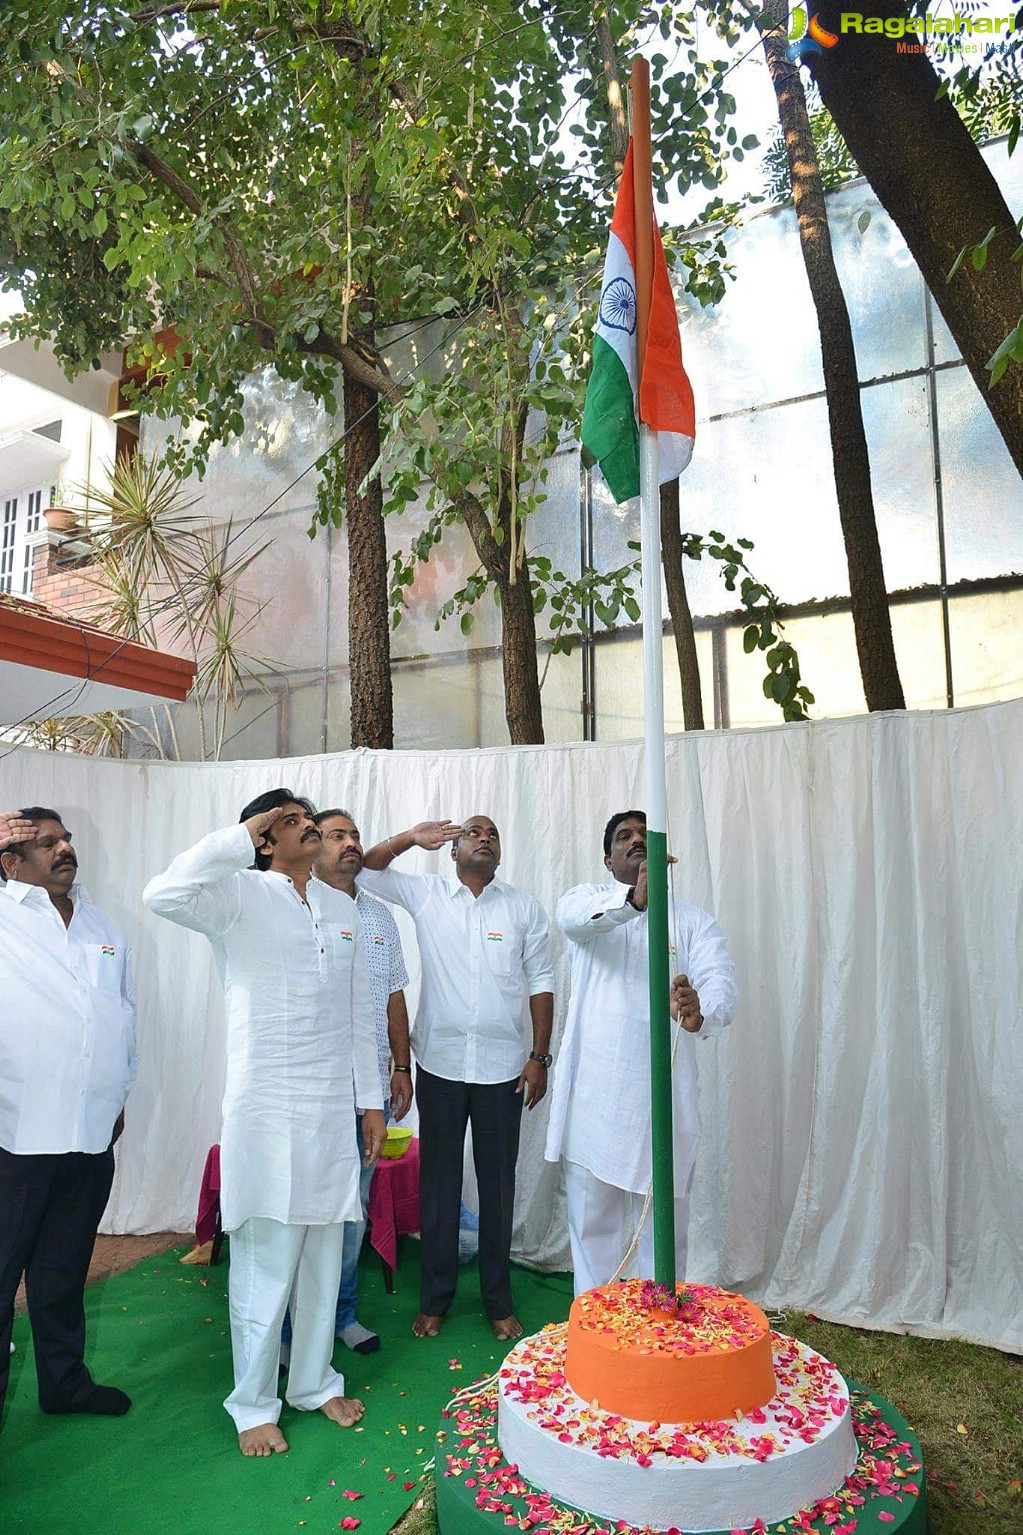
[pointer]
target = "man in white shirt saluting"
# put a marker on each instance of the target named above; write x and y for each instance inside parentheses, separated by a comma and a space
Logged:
(301, 1052)
(485, 970)
(67, 1060)
(600, 1115)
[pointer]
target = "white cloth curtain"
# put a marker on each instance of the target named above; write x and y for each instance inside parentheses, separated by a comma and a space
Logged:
(862, 1151)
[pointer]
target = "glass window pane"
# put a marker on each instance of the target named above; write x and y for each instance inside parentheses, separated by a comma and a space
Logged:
(987, 658)
(982, 491)
(883, 289)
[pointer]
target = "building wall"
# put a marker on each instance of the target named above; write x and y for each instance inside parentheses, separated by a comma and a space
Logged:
(52, 450)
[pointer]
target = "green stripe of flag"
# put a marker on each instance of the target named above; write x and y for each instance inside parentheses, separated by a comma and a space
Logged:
(609, 433)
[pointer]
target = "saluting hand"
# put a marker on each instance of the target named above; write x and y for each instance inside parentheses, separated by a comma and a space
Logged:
(15, 828)
(257, 826)
(433, 834)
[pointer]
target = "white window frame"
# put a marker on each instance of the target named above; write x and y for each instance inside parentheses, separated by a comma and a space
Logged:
(21, 531)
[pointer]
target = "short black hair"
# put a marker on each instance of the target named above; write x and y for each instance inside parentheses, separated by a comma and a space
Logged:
(325, 815)
(35, 813)
(616, 820)
(269, 801)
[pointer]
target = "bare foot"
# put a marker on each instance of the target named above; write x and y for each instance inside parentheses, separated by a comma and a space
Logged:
(265, 1439)
(507, 1327)
(345, 1410)
(426, 1326)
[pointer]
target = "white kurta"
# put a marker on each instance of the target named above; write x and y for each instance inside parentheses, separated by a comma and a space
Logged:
(301, 1034)
(600, 1109)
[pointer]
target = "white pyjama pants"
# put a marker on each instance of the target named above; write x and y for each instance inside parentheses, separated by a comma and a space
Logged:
(272, 1265)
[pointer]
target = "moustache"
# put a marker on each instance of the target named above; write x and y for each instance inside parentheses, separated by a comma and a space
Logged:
(313, 834)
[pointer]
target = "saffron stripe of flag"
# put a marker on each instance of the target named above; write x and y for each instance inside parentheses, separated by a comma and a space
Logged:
(610, 432)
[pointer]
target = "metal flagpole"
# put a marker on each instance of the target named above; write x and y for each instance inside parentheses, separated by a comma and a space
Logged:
(655, 785)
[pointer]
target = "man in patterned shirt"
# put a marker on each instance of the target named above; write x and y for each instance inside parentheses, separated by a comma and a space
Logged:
(338, 863)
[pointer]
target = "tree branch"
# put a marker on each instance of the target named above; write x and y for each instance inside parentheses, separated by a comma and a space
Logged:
(617, 117)
(370, 371)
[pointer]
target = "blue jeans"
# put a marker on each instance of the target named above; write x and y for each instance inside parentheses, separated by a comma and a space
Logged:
(348, 1290)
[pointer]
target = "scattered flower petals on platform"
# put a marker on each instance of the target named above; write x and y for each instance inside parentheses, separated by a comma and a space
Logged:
(887, 1468)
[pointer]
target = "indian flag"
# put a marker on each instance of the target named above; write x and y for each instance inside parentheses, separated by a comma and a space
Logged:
(665, 398)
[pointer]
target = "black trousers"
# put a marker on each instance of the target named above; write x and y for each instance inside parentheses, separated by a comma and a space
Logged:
(50, 1209)
(494, 1110)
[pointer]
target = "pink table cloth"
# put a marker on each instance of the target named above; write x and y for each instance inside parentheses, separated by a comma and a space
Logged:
(394, 1202)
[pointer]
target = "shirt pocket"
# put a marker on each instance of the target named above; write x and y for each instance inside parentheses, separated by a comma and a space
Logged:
(503, 951)
(105, 966)
(342, 947)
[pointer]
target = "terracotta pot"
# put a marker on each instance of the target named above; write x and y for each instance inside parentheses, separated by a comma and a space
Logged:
(60, 519)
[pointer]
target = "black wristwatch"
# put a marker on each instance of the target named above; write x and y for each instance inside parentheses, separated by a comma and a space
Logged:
(545, 1060)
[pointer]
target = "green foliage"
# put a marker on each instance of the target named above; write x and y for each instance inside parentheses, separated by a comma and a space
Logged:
(568, 601)
(1011, 348)
(765, 631)
(198, 167)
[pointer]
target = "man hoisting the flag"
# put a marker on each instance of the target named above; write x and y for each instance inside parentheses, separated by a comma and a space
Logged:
(639, 425)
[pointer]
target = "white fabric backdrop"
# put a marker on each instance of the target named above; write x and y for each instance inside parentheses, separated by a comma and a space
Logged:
(863, 1146)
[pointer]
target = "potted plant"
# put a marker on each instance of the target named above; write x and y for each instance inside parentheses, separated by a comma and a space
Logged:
(59, 517)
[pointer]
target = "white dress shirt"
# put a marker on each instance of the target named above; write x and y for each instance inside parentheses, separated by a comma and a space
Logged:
(67, 1035)
(482, 957)
(301, 1036)
(600, 1109)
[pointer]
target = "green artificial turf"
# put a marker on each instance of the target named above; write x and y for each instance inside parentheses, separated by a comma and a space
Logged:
(172, 1466)
(160, 1332)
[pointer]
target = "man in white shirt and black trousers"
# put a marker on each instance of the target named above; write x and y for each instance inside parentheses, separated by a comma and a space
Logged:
(481, 1040)
(67, 1060)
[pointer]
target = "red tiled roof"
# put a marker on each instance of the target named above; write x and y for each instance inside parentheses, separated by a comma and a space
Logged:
(32, 635)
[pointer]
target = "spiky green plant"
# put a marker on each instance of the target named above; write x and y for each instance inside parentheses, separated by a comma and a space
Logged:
(166, 575)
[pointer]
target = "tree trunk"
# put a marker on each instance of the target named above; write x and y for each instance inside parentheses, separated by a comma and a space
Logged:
(932, 179)
(617, 117)
(369, 618)
(869, 599)
(678, 607)
(369, 630)
(522, 707)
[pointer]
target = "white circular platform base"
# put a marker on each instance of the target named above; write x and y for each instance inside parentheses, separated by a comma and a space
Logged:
(785, 1456)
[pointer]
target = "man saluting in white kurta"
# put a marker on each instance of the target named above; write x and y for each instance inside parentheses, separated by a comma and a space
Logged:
(600, 1114)
(301, 1055)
